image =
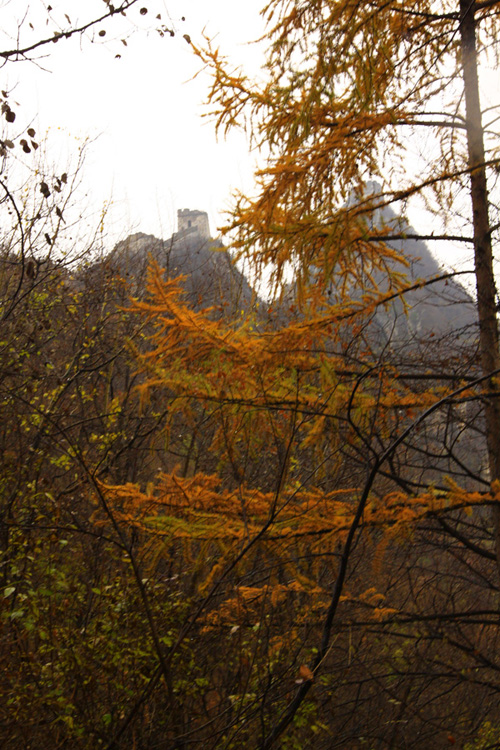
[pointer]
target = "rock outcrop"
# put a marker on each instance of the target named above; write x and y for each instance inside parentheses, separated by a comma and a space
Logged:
(211, 279)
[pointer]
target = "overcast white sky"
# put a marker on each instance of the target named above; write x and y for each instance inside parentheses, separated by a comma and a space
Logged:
(153, 153)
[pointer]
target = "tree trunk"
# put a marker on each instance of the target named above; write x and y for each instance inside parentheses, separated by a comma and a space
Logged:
(483, 255)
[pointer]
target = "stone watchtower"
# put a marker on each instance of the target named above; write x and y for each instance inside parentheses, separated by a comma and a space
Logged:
(193, 222)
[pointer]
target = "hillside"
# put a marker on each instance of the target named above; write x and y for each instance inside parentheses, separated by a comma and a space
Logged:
(439, 308)
(211, 279)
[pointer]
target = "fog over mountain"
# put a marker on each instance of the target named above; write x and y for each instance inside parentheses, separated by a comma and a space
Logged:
(212, 280)
(438, 307)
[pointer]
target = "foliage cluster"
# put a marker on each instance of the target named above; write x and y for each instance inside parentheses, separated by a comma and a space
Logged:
(275, 529)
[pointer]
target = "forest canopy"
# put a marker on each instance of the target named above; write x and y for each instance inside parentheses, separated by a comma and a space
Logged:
(270, 524)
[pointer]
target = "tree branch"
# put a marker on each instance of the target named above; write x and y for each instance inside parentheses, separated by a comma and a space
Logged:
(21, 52)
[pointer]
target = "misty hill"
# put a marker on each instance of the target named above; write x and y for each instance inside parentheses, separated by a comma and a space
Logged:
(211, 278)
(438, 308)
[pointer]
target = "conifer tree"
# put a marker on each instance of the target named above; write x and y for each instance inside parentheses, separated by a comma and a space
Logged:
(350, 86)
(352, 442)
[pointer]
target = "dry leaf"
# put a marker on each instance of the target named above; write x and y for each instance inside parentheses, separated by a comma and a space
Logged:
(305, 674)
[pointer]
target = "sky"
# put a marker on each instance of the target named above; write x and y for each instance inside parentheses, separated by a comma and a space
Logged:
(151, 151)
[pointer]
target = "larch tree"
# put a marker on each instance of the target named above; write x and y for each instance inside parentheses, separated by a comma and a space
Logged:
(317, 431)
(314, 564)
(347, 87)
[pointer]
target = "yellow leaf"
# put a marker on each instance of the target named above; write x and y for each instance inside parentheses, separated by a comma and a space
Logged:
(305, 674)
